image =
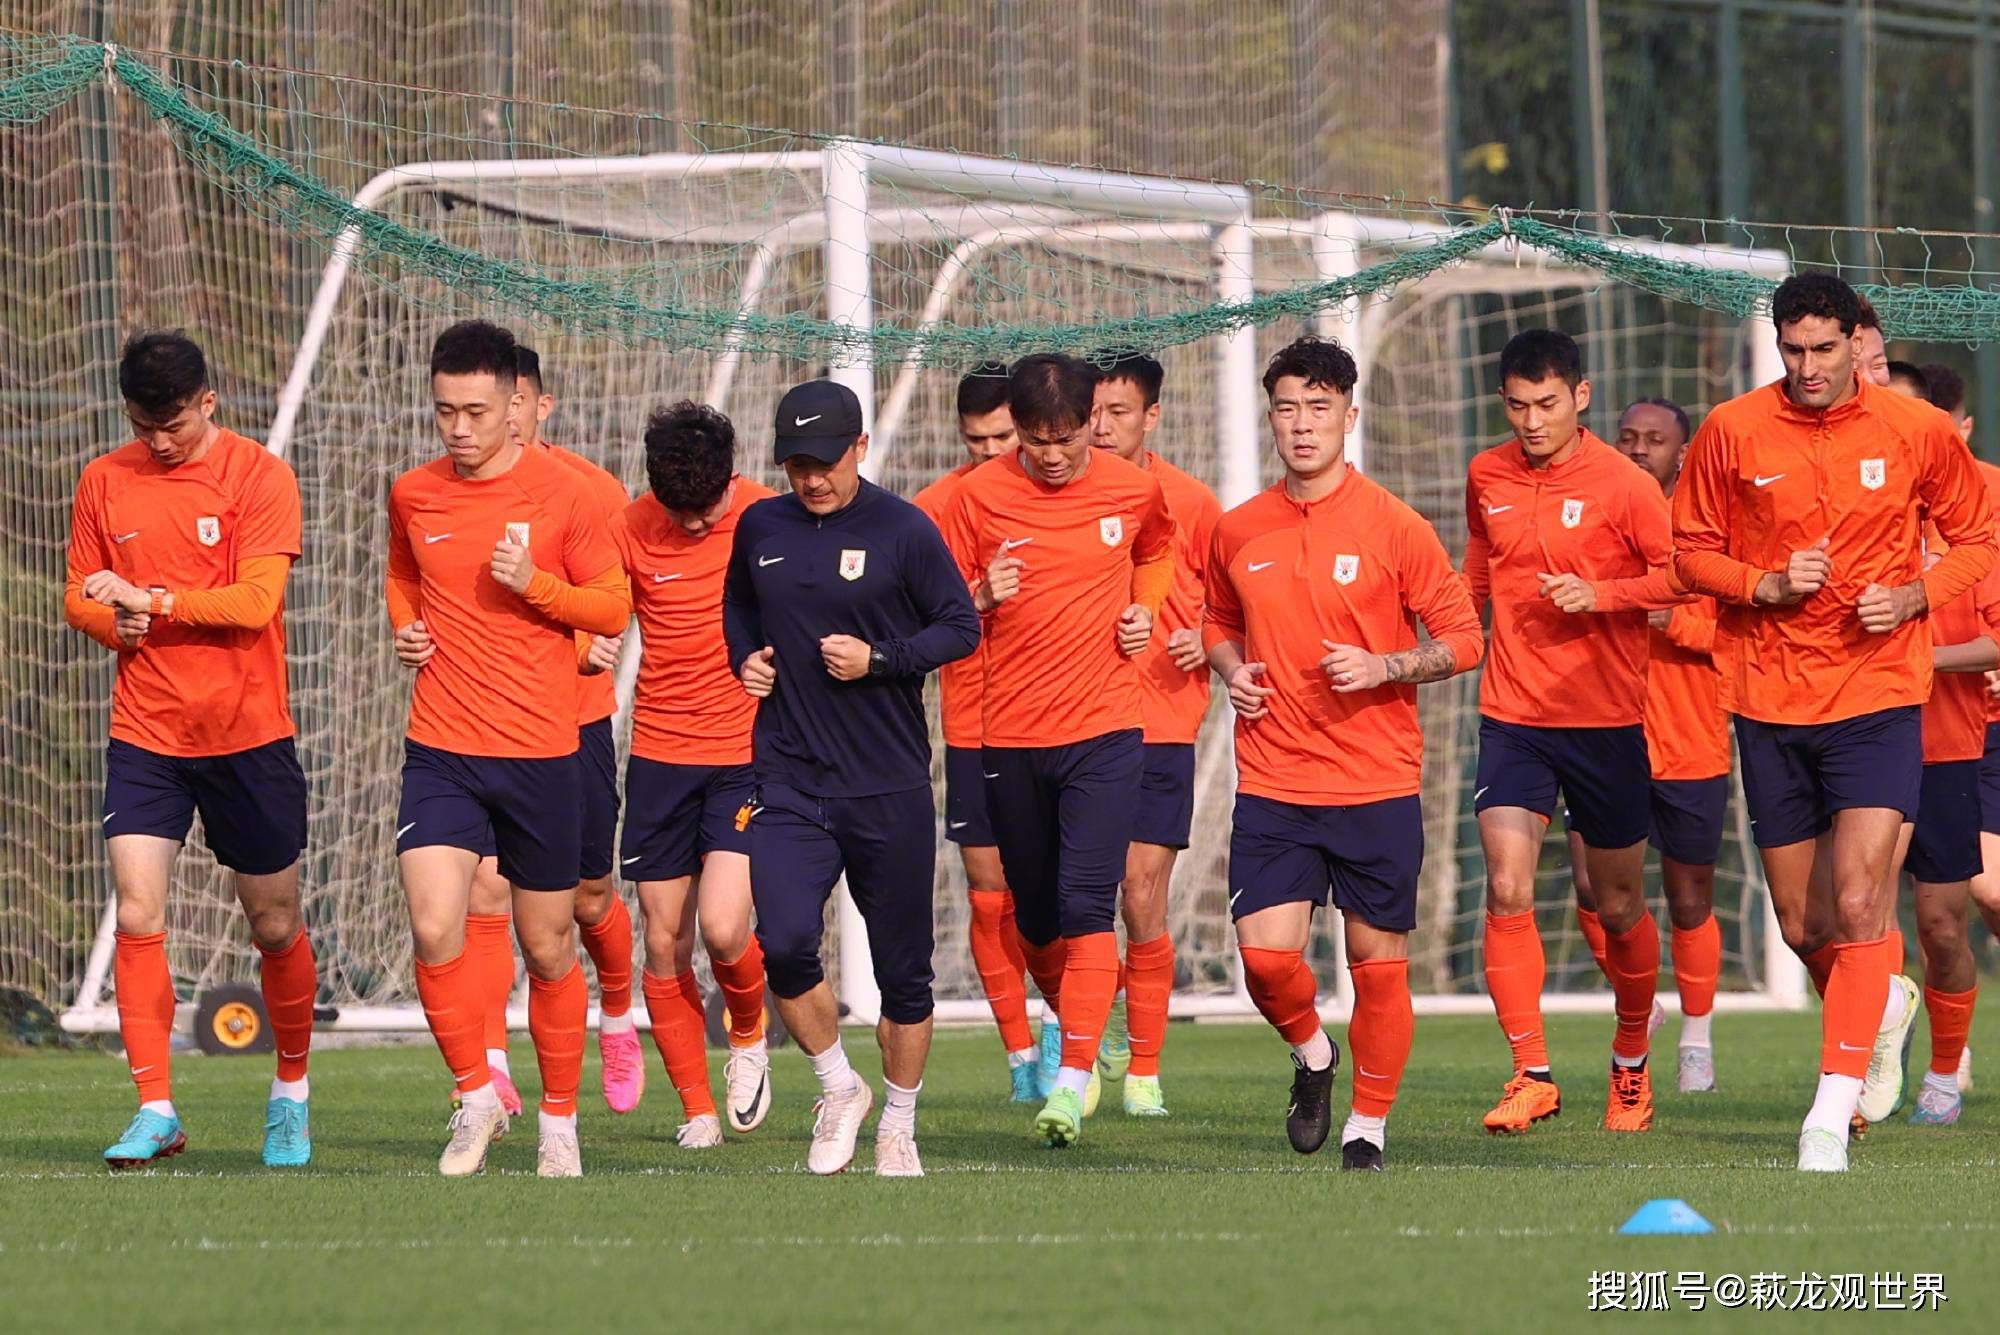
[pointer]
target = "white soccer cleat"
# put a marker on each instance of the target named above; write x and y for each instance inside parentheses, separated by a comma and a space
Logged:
(836, 1125)
(1821, 1152)
(896, 1155)
(1965, 1070)
(1697, 1071)
(746, 1080)
(1656, 1018)
(473, 1131)
(699, 1133)
(557, 1155)
(1882, 1091)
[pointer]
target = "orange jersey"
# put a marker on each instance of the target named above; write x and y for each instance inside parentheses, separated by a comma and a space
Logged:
(1054, 674)
(1355, 567)
(1954, 718)
(1766, 478)
(1991, 474)
(597, 693)
(1687, 731)
(689, 708)
(1595, 515)
(1172, 702)
(959, 682)
(191, 690)
(503, 681)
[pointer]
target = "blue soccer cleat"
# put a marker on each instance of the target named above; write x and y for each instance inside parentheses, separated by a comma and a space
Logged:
(150, 1138)
(1051, 1059)
(287, 1135)
(1027, 1078)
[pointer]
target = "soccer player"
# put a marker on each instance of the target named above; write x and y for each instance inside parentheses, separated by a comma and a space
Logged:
(498, 553)
(1070, 549)
(1872, 362)
(1799, 510)
(1314, 587)
(1173, 700)
(1570, 542)
(180, 543)
(1907, 379)
(688, 786)
(840, 599)
(986, 429)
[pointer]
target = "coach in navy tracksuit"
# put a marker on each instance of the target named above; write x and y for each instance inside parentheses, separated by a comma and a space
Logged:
(840, 599)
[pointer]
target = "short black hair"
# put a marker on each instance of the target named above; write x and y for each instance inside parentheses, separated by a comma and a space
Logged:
(472, 346)
(1808, 294)
(1534, 355)
(1051, 392)
(159, 372)
(1317, 361)
(1138, 368)
(690, 455)
(1944, 387)
(528, 365)
(982, 389)
(1680, 414)
(1869, 319)
(1910, 371)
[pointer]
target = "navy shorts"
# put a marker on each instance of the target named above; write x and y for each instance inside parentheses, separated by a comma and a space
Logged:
(1603, 775)
(1989, 782)
(1687, 818)
(887, 846)
(1166, 795)
(1068, 828)
(675, 815)
(965, 821)
(528, 812)
(252, 803)
(1795, 776)
(1944, 846)
(597, 757)
(1368, 855)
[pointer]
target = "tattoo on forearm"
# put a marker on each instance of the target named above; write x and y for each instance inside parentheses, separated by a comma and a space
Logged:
(1432, 660)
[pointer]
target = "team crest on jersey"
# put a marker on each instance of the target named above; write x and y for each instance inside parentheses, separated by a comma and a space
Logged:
(852, 562)
(1346, 569)
(1111, 528)
(208, 528)
(517, 534)
(1572, 513)
(1874, 472)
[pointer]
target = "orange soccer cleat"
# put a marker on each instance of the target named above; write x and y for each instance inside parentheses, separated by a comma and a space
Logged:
(1526, 1100)
(1630, 1106)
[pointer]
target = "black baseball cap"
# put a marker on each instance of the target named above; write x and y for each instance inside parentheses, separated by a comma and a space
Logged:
(818, 419)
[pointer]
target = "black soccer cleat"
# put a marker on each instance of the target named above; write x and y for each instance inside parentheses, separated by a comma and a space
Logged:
(1310, 1118)
(1361, 1156)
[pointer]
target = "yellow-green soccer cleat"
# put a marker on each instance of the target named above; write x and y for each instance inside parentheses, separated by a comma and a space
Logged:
(1093, 1094)
(1060, 1122)
(1143, 1097)
(1114, 1050)
(1882, 1092)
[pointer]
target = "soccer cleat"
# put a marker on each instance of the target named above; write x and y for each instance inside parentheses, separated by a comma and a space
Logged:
(1630, 1104)
(1114, 1050)
(1882, 1092)
(558, 1155)
(624, 1069)
(287, 1134)
(510, 1097)
(746, 1086)
(1524, 1101)
(1093, 1093)
(1309, 1116)
(1965, 1070)
(1027, 1080)
(699, 1133)
(1051, 1058)
(149, 1138)
(1361, 1156)
(473, 1132)
(1060, 1121)
(1143, 1097)
(896, 1155)
(1697, 1071)
(1821, 1152)
(1935, 1107)
(836, 1125)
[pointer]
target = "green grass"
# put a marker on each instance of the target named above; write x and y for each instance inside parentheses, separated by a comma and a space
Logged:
(1203, 1221)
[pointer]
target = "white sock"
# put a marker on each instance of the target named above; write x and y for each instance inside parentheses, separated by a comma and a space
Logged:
(1943, 1084)
(899, 1109)
(1374, 1130)
(554, 1124)
(614, 1024)
(1050, 1020)
(836, 1077)
(1694, 1030)
(497, 1059)
(1316, 1052)
(164, 1107)
(1629, 1063)
(1073, 1080)
(761, 1049)
(1892, 1009)
(1022, 1057)
(1834, 1104)
(295, 1090)
(484, 1099)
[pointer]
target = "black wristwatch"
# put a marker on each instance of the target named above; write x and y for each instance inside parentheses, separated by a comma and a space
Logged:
(878, 663)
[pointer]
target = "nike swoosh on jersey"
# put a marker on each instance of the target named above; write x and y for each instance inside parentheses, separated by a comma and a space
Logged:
(430, 538)
(1498, 509)
(769, 560)
(1011, 543)
(122, 538)
(1763, 481)
(662, 579)
(1256, 566)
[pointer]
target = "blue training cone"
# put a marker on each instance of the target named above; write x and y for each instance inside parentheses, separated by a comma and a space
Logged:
(1666, 1216)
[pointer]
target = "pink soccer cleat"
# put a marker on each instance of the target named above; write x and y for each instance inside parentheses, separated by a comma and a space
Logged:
(624, 1069)
(510, 1097)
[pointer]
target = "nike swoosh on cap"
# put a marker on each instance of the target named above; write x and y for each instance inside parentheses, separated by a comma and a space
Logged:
(802, 421)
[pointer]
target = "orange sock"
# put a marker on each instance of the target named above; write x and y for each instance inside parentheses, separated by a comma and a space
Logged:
(741, 982)
(1284, 989)
(1633, 960)
(146, 1013)
(1089, 981)
(1951, 1025)
(489, 957)
(609, 941)
(1856, 994)
(1000, 970)
(1515, 972)
(1047, 964)
(1819, 965)
(1593, 936)
(1149, 986)
(1380, 1033)
(558, 1013)
(291, 983)
(680, 1033)
(457, 1017)
(1697, 965)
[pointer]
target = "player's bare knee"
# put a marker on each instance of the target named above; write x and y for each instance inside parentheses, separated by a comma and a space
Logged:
(1508, 893)
(141, 917)
(593, 899)
(726, 941)
(549, 952)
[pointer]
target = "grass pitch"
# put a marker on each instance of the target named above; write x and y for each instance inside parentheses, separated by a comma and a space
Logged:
(1206, 1220)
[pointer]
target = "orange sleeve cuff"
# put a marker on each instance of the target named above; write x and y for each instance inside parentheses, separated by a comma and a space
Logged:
(1151, 581)
(1692, 631)
(1653, 591)
(405, 597)
(248, 604)
(601, 605)
(90, 616)
(1962, 567)
(1718, 576)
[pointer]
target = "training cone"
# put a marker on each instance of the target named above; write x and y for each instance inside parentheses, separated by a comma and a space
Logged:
(1666, 1216)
